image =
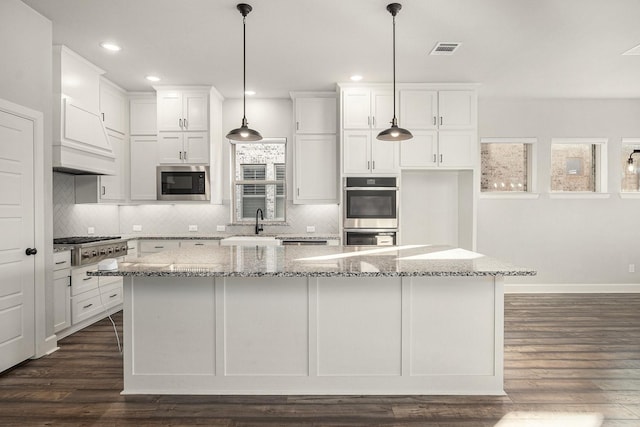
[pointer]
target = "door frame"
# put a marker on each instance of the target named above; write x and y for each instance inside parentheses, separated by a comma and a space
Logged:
(43, 344)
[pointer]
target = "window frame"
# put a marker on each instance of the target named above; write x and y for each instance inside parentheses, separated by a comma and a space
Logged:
(235, 182)
(600, 163)
(532, 169)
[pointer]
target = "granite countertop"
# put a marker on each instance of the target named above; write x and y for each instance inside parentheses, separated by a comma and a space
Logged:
(221, 235)
(316, 261)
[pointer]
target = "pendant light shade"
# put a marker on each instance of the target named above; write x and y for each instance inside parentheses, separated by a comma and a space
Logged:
(244, 133)
(394, 133)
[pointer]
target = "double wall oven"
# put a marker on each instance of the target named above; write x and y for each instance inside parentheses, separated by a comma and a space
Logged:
(370, 211)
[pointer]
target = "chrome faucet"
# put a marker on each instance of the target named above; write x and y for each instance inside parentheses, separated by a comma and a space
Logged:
(258, 226)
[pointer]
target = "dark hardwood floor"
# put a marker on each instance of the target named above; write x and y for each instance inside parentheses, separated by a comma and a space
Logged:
(570, 360)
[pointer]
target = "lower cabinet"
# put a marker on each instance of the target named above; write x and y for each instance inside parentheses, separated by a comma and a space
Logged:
(153, 246)
(61, 290)
(92, 295)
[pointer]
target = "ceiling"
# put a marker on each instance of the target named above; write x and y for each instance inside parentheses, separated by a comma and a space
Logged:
(523, 48)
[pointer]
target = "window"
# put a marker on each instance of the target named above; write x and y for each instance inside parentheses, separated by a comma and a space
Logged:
(630, 175)
(577, 165)
(507, 165)
(259, 180)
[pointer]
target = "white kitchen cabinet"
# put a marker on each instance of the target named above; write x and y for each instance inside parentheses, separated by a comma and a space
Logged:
(143, 115)
(316, 169)
(363, 153)
(106, 188)
(182, 110)
(364, 108)
(61, 290)
(315, 115)
(143, 167)
(183, 147)
(443, 109)
(113, 106)
(447, 149)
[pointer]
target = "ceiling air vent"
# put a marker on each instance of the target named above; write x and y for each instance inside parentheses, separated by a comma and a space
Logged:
(445, 48)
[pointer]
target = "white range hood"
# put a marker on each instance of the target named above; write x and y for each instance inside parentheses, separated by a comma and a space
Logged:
(80, 142)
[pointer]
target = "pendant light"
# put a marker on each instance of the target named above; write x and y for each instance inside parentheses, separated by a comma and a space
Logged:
(394, 133)
(244, 133)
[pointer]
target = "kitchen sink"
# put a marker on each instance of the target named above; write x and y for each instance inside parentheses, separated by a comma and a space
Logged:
(250, 241)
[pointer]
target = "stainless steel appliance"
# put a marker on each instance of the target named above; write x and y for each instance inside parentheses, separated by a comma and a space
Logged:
(90, 250)
(370, 237)
(183, 183)
(370, 202)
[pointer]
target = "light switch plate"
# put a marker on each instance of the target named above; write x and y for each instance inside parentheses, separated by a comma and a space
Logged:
(311, 228)
(193, 228)
(221, 228)
(91, 230)
(137, 228)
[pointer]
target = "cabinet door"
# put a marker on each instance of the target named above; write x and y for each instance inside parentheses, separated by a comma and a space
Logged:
(457, 109)
(112, 187)
(418, 109)
(143, 167)
(420, 151)
(356, 151)
(170, 147)
(356, 109)
(143, 116)
(384, 156)
(381, 109)
(195, 114)
(169, 110)
(457, 149)
(316, 169)
(113, 108)
(61, 300)
(196, 147)
(315, 115)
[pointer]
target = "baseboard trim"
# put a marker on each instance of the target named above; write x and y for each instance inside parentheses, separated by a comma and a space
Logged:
(571, 288)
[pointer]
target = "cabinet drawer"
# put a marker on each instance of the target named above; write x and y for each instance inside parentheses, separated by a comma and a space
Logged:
(80, 282)
(61, 260)
(112, 295)
(153, 246)
(85, 306)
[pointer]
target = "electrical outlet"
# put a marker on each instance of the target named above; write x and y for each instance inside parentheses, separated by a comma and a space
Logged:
(220, 228)
(311, 228)
(91, 230)
(632, 268)
(137, 228)
(193, 228)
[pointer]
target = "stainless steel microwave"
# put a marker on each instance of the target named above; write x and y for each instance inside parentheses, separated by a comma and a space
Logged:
(183, 183)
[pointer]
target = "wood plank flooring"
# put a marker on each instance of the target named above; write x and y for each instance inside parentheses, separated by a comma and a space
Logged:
(570, 360)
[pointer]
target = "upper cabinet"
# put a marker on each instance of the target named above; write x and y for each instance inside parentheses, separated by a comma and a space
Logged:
(364, 108)
(437, 109)
(113, 106)
(143, 115)
(80, 143)
(182, 109)
(315, 168)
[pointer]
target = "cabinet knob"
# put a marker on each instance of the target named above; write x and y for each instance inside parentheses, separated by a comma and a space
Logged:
(31, 251)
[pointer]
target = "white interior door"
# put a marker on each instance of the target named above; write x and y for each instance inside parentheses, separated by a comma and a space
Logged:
(17, 270)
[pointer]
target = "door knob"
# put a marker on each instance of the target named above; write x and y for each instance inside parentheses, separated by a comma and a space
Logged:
(31, 251)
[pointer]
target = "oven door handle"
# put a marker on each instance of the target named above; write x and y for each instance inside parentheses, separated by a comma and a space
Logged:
(371, 230)
(371, 188)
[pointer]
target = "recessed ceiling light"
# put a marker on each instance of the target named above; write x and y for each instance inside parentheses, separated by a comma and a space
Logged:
(110, 46)
(250, 92)
(153, 78)
(356, 77)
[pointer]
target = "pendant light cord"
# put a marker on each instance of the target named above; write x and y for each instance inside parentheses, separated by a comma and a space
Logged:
(394, 68)
(244, 69)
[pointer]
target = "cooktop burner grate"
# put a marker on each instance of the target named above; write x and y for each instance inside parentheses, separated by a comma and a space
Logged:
(84, 239)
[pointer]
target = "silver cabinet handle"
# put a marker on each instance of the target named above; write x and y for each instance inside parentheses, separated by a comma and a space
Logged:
(198, 244)
(61, 262)
(185, 123)
(440, 120)
(373, 165)
(104, 190)
(434, 120)
(368, 165)
(440, 158)
(368, 120)
(113, 296)
(373, 120)
(180, 154)
(298, 191)
(87, 306)
(297, 125)
(87, 278)
(103, 117)
(69, 280)
(180, 123)
(434, 158)
(158, 247)
(184, 155)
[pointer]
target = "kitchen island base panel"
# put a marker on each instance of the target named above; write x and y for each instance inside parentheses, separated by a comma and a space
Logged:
(313, 335)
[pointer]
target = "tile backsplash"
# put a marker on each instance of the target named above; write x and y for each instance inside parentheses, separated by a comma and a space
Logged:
(70, 219)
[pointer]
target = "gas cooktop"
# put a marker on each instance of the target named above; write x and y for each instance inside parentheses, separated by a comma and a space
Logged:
(78, 240)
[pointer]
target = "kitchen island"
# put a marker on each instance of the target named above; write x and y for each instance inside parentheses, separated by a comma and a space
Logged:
(417, 319)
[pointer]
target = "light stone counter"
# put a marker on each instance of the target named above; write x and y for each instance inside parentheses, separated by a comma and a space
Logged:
(316, 261)
(314, 320)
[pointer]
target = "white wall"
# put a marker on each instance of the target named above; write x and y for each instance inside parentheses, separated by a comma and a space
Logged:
(25, 79)
(582, 241)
